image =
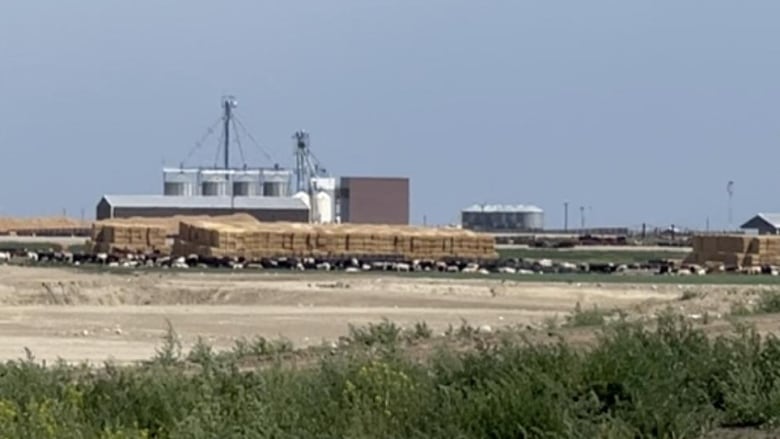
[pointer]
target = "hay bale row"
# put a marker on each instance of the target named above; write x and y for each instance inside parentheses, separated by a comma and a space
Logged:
(260, 240)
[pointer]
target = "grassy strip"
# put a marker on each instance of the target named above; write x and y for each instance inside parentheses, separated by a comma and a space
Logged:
(594, 256)
(584, 278)
(670, 381)
(29, 245)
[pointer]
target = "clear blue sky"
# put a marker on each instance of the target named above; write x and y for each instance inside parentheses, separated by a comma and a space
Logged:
(642, 110)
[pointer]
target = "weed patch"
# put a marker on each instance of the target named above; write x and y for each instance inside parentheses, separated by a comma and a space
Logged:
(671, 380)
(768, 302)
(587, 317)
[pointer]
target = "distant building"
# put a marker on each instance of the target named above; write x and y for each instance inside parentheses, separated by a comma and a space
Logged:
(502, 218)
(374, 200)
(262, 208)
(764, 223)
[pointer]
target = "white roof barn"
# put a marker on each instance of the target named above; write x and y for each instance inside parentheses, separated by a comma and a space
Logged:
(765, 223)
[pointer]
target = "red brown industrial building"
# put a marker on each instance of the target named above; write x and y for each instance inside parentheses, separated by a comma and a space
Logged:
(374, 200)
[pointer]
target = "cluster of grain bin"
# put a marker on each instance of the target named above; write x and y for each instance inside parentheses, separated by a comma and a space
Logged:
(212, 182)
(501, 218)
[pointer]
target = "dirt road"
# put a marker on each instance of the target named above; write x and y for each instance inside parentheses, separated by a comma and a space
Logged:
(88, 316)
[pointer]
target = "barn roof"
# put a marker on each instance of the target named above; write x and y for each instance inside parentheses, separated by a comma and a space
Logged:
(205, 202)
(770, 219)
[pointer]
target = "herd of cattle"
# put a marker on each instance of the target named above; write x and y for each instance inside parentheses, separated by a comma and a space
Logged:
(520, 266)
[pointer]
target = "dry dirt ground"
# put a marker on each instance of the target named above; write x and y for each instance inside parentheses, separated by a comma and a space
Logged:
(90, 316)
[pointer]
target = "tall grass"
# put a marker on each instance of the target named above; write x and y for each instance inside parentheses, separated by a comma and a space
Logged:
(671, 381)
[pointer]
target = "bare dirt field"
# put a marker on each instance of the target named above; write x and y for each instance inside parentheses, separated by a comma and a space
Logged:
(90, 316)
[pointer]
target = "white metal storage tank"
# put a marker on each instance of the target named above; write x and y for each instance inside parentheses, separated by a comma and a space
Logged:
(246, 183)
(214, 182)
(324, 210)
(276, 182)
(180, 182)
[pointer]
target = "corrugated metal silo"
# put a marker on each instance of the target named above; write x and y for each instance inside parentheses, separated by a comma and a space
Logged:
(180, 182)
(246, 183)
(276, 182)
(214, 182)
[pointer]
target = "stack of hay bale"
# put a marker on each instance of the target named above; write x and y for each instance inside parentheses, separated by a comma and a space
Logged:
(271, 240)
(148, 234)
(130, 238)
(735, 250)
(764, 250)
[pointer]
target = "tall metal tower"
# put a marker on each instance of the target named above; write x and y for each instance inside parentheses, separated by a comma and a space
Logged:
(306, 164)
(228, 104)
(302, 162)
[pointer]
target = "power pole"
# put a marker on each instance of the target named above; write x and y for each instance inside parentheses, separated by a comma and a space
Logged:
(582, 217)
(730, 191)
(565, 216)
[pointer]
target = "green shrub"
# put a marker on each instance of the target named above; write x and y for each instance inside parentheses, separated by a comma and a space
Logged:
(385, 333)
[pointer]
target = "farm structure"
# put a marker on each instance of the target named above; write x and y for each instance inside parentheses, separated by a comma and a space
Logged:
(262, 208)
(764, 223)
(374, 200)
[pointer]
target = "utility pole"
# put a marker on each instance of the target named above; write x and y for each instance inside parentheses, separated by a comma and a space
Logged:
(582, 217)
(565, 216)
(730, 191)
